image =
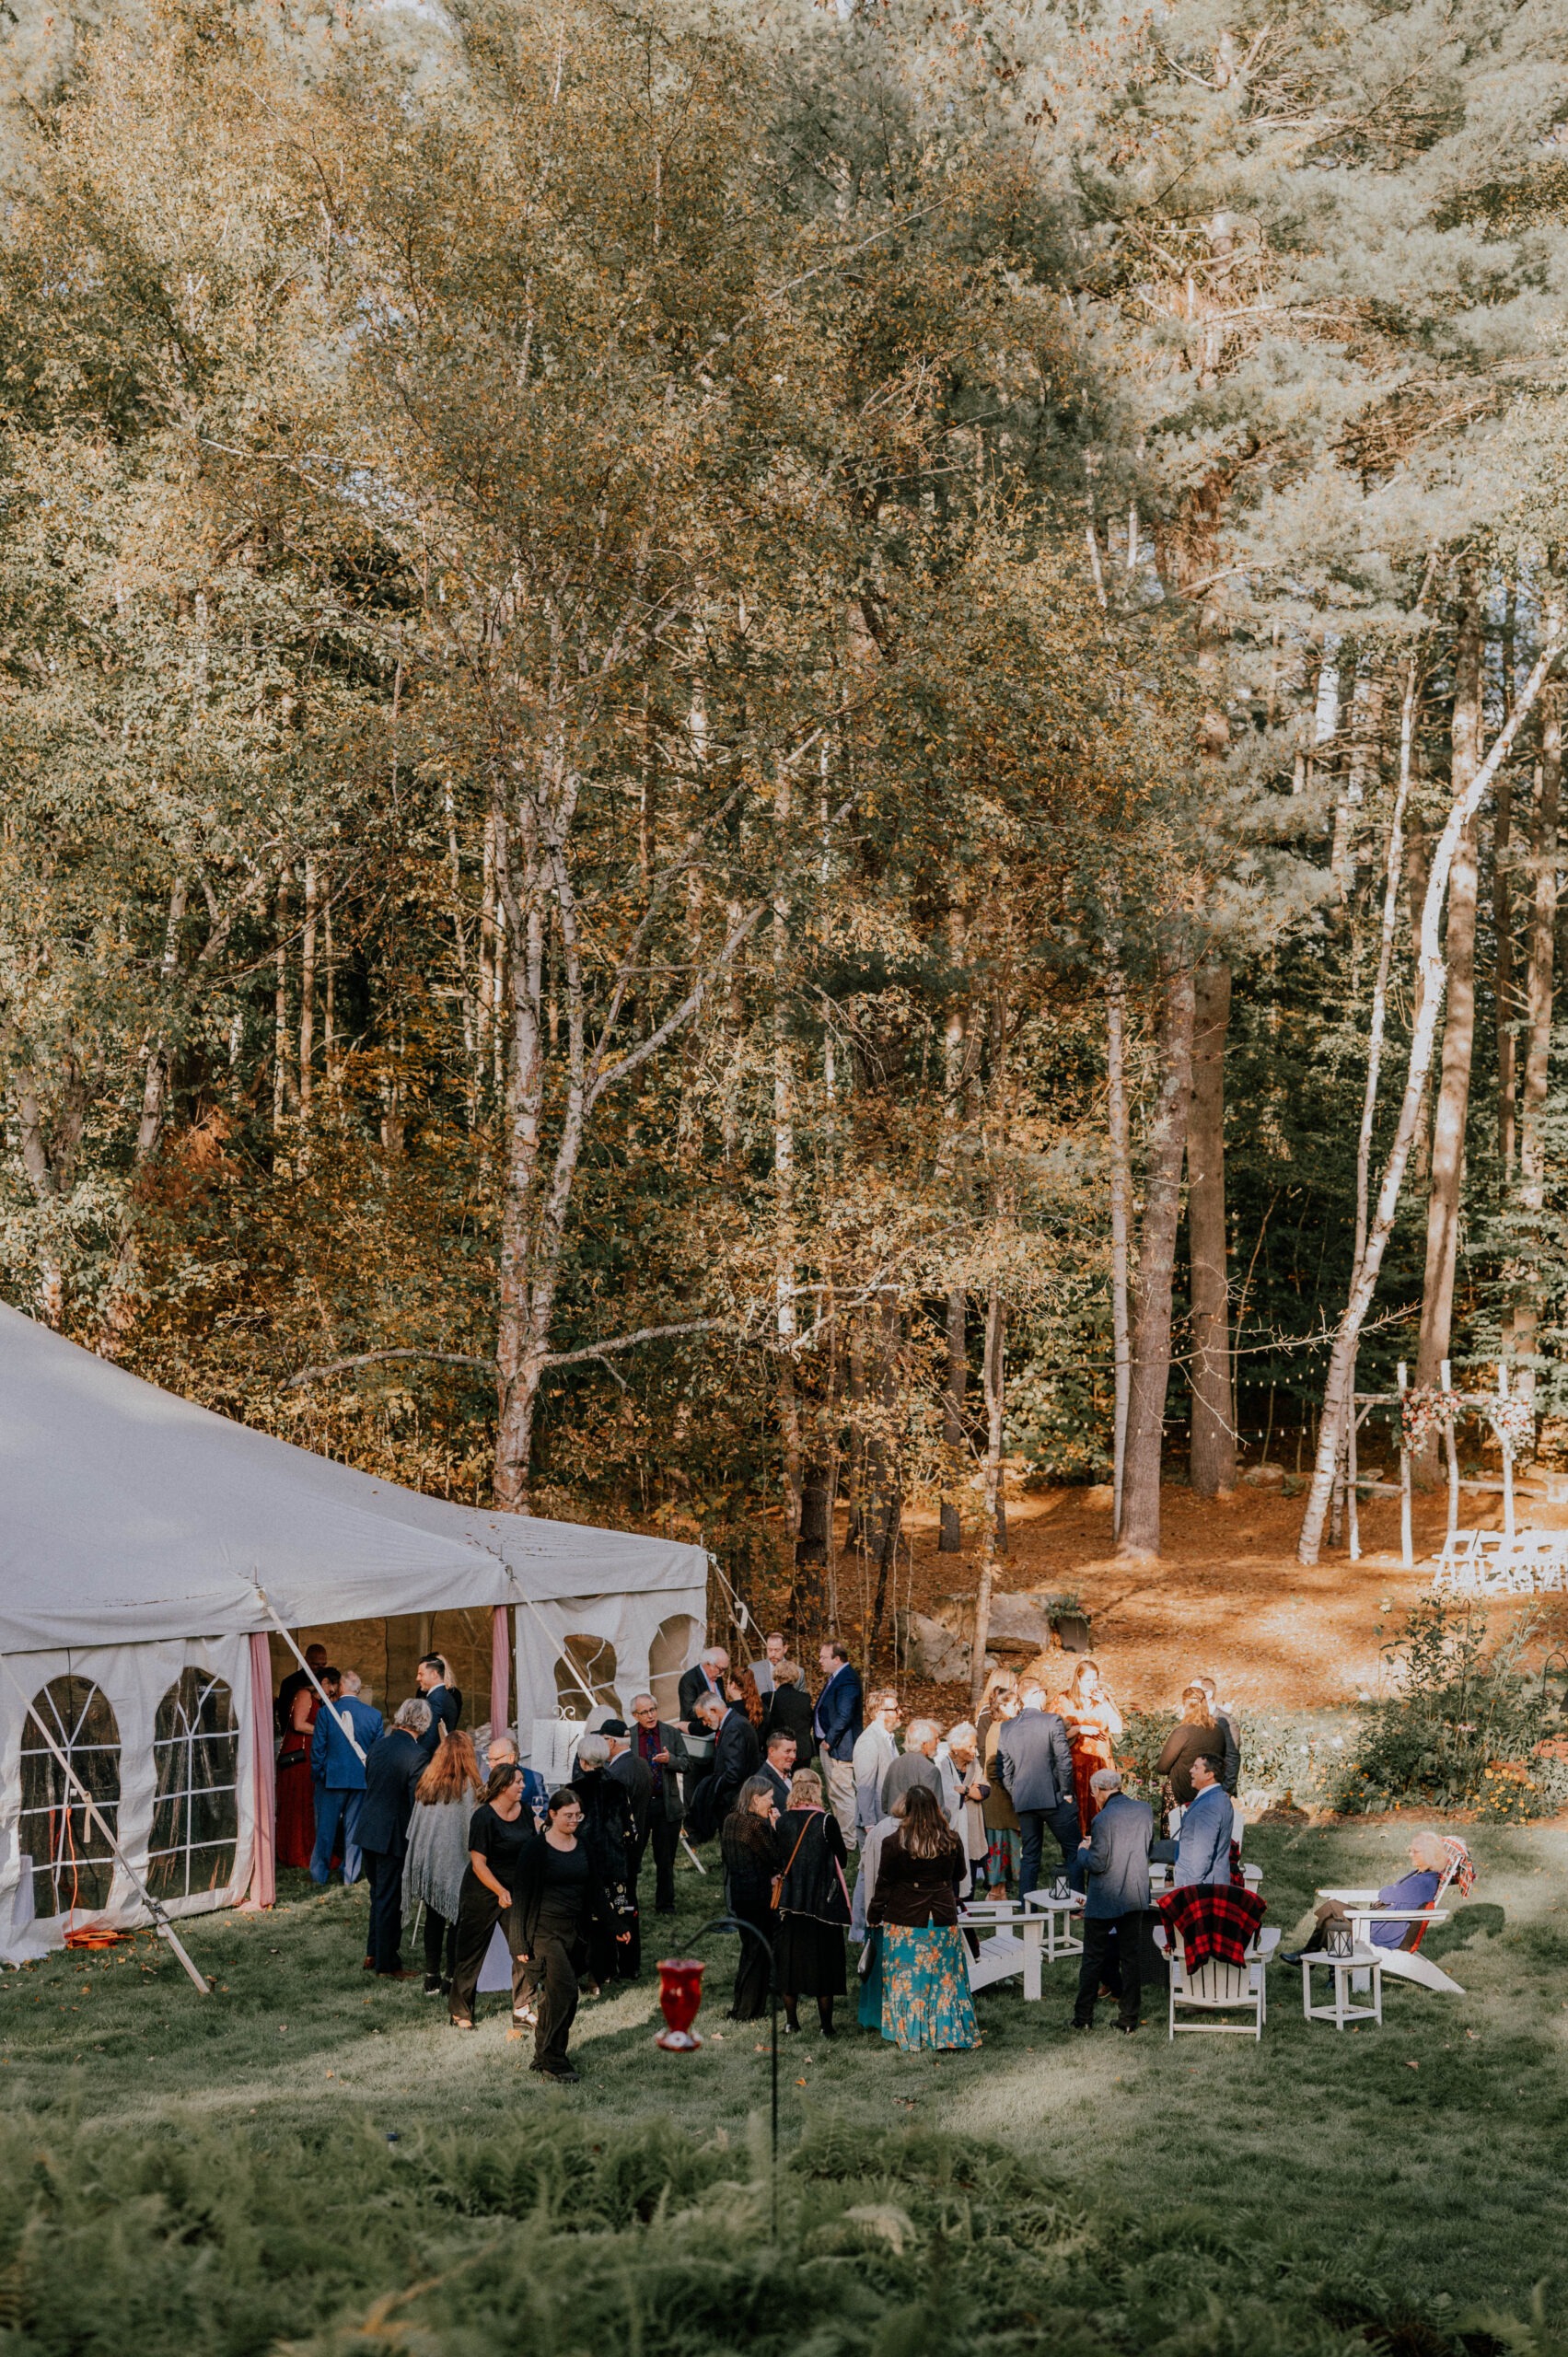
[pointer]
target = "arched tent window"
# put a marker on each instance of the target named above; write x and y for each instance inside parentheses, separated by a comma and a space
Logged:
(592, 1659)
(196, 1769)
(668, 1656)
(72, 1863)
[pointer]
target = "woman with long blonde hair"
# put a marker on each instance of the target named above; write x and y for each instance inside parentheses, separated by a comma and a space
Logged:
(446, 1797)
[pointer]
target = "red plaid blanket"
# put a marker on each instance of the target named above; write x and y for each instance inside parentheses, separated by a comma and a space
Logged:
(1214, 1921)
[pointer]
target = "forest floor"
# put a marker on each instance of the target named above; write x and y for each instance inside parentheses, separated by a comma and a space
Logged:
(1227, 1596)
(1429, 2154)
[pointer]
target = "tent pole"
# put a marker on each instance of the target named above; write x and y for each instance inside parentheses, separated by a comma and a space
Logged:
(305, 1666)
(198, 1979)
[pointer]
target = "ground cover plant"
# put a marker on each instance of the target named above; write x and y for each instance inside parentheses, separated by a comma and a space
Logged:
(1469, 1725)
(304, 2164)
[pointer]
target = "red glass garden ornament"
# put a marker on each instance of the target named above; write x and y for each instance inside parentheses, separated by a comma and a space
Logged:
(680, 1994)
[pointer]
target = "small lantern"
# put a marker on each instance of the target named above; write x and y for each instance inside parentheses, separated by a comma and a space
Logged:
(1338, 1939)
(680, 1994)
(1061, 1888)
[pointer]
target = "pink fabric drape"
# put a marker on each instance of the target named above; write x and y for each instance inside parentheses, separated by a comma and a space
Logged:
(263, 1858)
(500, 1664)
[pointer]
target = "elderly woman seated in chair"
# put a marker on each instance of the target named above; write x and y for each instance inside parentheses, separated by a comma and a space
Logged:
(1429, 1862)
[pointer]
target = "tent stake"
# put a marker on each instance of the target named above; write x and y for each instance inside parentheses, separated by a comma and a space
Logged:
(166, 1927)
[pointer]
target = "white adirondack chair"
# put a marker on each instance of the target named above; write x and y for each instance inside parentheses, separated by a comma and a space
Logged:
(1220, 1989)
(1404, 1963)
(1010, 1939)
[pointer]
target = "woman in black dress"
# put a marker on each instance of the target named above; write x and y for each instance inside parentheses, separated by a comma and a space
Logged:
(813, 1904)
(501, 1830)
(558, 1899)
(610, 1836)
(789, 1712)
(749, 1848)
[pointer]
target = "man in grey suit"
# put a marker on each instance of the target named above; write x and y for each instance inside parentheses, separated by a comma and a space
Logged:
(1116, 1855)
(1034, 1766)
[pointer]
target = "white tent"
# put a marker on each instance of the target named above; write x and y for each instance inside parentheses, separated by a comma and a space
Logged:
(142, 1539)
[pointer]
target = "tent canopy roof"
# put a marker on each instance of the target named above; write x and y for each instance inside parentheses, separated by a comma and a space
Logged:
(128, 1515)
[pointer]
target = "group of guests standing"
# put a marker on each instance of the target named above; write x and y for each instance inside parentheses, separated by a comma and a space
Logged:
(828, 1827)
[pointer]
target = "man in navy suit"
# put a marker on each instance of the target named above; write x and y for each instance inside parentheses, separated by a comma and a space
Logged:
(1116, 1858)
(1034, 1766)
(337, 1771)
(444, 1702)
(836, 1727)
(394, 1767)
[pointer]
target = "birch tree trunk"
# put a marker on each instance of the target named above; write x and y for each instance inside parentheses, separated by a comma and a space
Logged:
(1120, 1227)
(1458, 1033)
(996, 1372)
(1213, 1461)
(1538, 994)
(1156, 1263)
(1423, 1032)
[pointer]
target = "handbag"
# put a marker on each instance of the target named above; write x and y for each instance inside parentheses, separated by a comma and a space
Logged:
(779, 1879)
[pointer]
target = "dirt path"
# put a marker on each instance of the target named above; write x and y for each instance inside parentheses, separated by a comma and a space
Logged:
(1229, 1596)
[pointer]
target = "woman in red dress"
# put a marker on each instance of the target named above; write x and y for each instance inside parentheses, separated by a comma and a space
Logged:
(297, 1794)
(1092, 1720)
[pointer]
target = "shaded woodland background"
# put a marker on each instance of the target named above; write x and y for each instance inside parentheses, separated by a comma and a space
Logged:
(701, 716)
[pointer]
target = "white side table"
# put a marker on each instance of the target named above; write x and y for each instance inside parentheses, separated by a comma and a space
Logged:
(1059, 1915)
(1364, 1960)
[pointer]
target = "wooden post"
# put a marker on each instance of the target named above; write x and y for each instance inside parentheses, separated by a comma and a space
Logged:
(1507, 1456)
(1451, 1444)
(1350, 1481)
(1405, 1556)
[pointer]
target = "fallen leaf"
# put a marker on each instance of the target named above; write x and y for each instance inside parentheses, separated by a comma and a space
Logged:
(1412, 2066)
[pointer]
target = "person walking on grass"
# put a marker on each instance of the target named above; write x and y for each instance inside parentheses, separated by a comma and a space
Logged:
(500, 1832)
(558, 1899)
(814, 1907)
(444, 1803)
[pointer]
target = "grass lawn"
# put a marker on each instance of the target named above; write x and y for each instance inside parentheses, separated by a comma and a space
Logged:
(1428, 2158)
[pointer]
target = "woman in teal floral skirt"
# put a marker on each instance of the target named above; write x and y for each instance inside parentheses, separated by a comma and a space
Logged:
(925, 1978)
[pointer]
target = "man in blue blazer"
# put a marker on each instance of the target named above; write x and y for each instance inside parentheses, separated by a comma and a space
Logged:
(837, 1726)
(446, 1703)
(337, 1771)
(1202, 1847)
(1034, 1766)
(1116, 1858)
(394, 1767)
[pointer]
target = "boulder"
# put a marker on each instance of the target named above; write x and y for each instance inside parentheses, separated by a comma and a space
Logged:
(1019, 1620)
(933, 1650)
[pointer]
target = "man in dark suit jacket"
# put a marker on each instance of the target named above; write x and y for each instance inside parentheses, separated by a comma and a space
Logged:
(1116, 1855)
(837, 1725)
(734, 1758)
(1034, 1766)
(393, 1767)
(662, 1750)
(624, 1767)
(444, 1702)
(778, 1766)
(704, 1676)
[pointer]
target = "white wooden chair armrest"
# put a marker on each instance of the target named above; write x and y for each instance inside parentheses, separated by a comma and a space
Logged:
(1398, 1914)
(1350, 1898)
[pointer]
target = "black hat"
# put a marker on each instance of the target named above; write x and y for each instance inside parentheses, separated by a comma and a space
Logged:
(616, 1727)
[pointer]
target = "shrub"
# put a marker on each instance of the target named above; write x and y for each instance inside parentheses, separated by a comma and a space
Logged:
(1463, 1728)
